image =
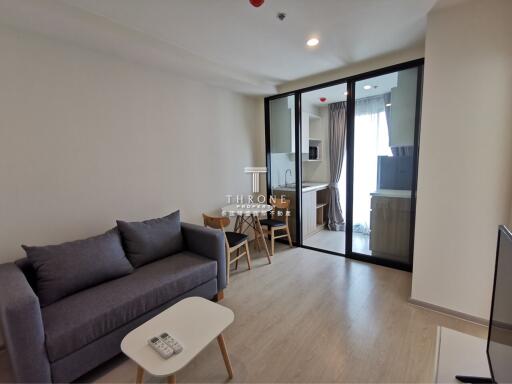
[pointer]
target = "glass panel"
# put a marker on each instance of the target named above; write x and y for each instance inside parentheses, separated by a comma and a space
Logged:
(282, 153)
(320, 109)
(384, 126)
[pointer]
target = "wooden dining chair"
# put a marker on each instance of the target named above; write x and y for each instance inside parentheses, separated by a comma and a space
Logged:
(234, 241)
(273, 225)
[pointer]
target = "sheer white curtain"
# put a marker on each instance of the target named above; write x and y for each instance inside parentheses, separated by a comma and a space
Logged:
(371, 139)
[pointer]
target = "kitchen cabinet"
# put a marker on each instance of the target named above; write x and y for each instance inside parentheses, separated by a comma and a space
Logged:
(305, 132)
(390, 227)
(314, 209)
(282, 121)
(403, 109)
(308, 213)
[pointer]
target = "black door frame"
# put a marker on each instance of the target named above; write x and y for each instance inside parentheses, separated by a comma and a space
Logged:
(350, 81)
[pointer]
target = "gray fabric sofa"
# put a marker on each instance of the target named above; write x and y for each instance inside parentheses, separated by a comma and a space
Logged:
(63, 340)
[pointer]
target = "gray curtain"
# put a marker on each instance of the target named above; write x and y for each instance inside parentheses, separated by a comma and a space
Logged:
(337, 137)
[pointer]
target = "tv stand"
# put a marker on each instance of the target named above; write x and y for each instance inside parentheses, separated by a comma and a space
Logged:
(459, 354)
(474, 379)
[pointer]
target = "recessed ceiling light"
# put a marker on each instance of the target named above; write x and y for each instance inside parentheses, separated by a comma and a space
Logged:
(367, 87)
(388, 105)
(313, 42)
(346, 93)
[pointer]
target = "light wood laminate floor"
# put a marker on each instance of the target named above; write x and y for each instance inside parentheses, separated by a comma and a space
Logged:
(314, 317)
(335, 241)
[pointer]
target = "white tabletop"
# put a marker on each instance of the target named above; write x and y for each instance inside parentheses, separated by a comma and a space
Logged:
(194, 322)
(458, 353)
(246, 209)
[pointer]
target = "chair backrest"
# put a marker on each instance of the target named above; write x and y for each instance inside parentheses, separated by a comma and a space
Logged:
(280, 204)
(218, 223)
(215, 222)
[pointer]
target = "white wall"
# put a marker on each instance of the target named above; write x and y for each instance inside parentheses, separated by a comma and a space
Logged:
(86, 138)
(281, 162)
(465, 174)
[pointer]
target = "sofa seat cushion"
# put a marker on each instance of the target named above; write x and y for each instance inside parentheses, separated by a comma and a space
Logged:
(82, 318)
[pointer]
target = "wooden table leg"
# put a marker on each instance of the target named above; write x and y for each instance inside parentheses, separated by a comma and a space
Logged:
(237, 224)
(225, 355)
(257, 226)
(140, 375)
(243, 221)
(171, 379)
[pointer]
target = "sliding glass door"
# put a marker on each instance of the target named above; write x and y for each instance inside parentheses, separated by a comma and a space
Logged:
(384, 131)
(281, 160)
(323, 189)
(345, 154)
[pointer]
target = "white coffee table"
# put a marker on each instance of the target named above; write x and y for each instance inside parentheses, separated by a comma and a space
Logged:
(194, 322)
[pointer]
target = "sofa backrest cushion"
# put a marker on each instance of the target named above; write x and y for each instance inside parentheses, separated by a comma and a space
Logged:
(28, 270)
(64, 269)
(151, 240)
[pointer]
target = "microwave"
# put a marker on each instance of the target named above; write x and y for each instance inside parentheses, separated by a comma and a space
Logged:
(314, 152)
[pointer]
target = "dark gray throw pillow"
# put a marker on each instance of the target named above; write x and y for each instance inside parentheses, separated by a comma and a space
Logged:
(76, 265)
(151, 240)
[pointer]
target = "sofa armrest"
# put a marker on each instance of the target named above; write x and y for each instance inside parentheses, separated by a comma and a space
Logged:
(22, 325)
(208, 243)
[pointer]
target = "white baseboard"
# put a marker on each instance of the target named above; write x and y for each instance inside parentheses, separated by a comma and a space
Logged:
(449, 312)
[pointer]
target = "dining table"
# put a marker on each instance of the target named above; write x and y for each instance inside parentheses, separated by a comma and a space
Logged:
(248, 218)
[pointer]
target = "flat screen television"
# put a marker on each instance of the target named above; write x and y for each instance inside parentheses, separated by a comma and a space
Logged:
(499, 340)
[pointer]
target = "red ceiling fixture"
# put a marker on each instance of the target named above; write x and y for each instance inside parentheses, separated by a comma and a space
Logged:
(323, 99)
(256, 3)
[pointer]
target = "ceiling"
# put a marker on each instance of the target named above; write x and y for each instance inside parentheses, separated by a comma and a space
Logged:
(228, 42)
(335, 93)
(332, 94)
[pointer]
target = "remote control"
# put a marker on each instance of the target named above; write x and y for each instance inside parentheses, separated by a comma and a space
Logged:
(171, 342)
(160, 347)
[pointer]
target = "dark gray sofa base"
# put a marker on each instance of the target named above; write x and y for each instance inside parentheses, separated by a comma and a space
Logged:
(82, 331)
(105, 348)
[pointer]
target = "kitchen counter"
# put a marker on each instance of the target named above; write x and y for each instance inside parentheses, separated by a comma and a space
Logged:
(306, 187)
(392, 193)
(315, 203)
